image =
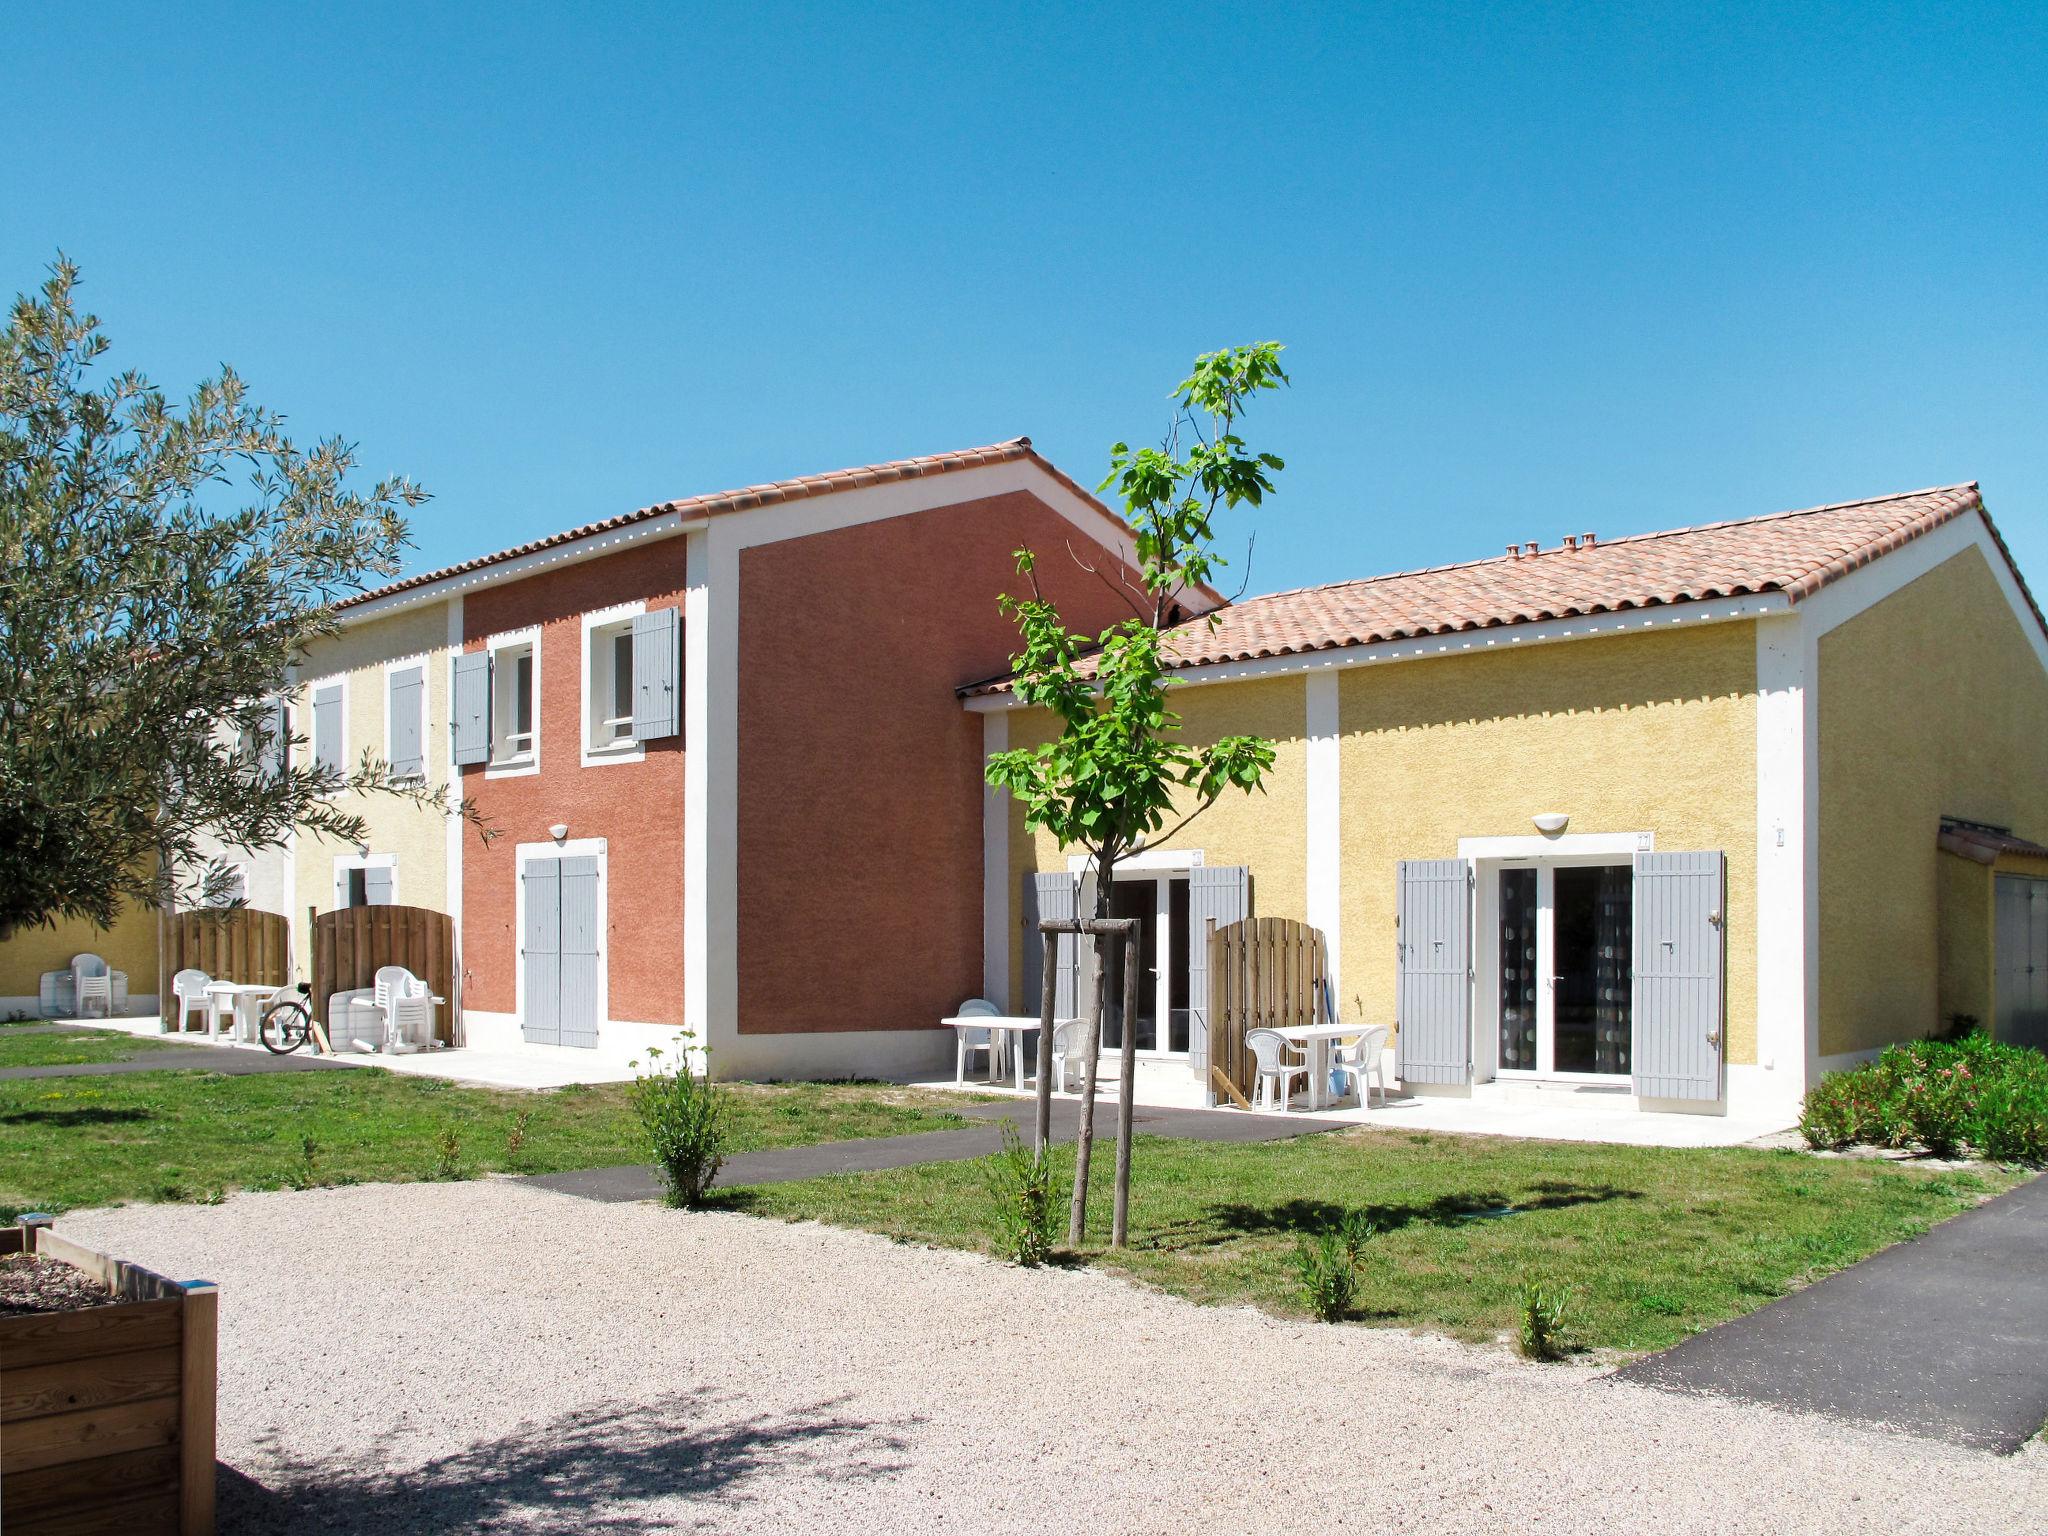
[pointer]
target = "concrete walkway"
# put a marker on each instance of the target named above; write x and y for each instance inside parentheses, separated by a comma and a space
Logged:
(784, 1164)
(205, 1058)
(1945, 1336)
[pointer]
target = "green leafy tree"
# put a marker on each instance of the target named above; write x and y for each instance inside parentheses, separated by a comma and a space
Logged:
(166, 565)
(1119, 774)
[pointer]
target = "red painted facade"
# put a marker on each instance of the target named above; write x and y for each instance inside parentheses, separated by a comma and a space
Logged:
(637, 807)
(860, 819)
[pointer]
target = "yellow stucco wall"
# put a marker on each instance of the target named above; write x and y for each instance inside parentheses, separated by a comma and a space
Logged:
(1931, 703)
(1267, 832)
(1963, 918)
(416, 836)
(1637, 733)
(130, 946)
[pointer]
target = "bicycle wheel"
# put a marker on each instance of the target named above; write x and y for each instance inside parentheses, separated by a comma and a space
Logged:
(286, 1026)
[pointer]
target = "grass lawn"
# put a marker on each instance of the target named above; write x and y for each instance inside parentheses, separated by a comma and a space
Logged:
(74, 1048)
(191, 1135)
(1654, 1243)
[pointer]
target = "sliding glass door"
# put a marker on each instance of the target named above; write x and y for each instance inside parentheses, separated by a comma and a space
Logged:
(1566, 992)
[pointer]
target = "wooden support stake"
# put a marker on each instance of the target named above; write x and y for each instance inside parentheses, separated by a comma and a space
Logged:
(1041, 1131)
(1084, 1136)
(1120, 1216)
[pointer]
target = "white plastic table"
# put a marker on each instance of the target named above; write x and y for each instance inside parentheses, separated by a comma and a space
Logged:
(1317, 1038)
(245, 1001)
(1009, 1024)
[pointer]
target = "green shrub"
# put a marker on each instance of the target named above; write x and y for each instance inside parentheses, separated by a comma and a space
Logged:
(448, 1154)
(1543, 1311)
(515, 1137)
(1940, 1095)
(1326, 1265)
(686, 1119)
(1026, 1196)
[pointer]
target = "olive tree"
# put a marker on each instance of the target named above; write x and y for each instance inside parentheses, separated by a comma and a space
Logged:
(166, 564)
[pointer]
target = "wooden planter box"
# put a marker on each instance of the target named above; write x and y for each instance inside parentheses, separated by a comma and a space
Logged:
(106, 1414)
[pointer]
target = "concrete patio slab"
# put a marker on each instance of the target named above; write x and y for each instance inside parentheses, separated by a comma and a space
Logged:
(1945, 1336)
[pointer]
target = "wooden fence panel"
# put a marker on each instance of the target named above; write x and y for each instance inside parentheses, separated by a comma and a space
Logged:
(350, 945)
(1264, 973)
(229, 944)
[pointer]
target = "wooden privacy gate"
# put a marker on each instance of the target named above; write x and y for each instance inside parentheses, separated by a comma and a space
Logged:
(1264, 973)
(350, 945)
(229, 944)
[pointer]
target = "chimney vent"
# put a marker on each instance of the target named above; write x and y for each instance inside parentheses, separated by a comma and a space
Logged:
(1515, 551)
(1586, 540)
(1530, 547)
(1571, 541)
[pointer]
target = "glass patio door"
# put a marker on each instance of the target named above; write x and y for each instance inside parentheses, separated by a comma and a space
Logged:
(1566, 989)
(1160, 903)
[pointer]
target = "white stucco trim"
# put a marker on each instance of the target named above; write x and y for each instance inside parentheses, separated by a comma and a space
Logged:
(995, 869)
(568, 848)
(1324, 831)
(1566, 845)
(1143, 859)
(634, 751)
(1503, 637)
(700, 734)
(1787, 921)
(455, 828)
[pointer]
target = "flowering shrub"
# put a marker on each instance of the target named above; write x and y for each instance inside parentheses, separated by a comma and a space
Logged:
(1940, 1095)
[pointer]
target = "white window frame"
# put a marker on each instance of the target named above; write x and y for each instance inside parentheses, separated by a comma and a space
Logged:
(313, 689)
(598, 669)
(407, 664)
(501, 766)
(344, 862)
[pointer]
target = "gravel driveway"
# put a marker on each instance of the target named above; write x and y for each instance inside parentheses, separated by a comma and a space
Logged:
(487, 1356)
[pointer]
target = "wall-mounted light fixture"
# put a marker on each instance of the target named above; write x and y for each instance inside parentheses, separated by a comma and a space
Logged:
(1550, 823)
(559, 831)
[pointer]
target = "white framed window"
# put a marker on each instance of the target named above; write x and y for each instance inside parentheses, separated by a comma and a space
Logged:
(405, 717)
(365, 880)
(608, 686)
(515, 703)
(328, 732)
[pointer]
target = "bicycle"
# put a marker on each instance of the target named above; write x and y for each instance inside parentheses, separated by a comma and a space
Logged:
(288, 1023)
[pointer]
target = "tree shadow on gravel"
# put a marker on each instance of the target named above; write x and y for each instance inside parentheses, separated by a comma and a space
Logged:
(584, 1471)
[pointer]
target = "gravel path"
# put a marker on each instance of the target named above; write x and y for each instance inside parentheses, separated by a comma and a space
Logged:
(490, 1356)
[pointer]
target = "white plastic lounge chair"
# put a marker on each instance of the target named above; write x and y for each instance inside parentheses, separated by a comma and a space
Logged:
(91, 983)
(188, 987)
(968, 1041)
(1277, 1070)
(404, 1007)
(1365, 1058)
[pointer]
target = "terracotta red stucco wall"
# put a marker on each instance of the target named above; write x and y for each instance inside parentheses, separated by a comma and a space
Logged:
(636, 807)
(860, 773)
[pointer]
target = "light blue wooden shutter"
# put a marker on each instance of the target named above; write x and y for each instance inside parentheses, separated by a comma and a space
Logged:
(469, 707)
(579, 956)
(1679, 942)
(327, 727)
(408, 697)
(2020, 961)
(377, 885)
(657, 675)
(1433, 985)
(277, 733)
(1219, 896)
(1050, 898)
(540, 954)
(1678, 986)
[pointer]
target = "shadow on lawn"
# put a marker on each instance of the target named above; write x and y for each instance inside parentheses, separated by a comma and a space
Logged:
(585, 1471)
(65, 1119)
(1227, 1222)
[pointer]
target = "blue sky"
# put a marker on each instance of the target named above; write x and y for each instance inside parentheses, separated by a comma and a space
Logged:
(1539, 272)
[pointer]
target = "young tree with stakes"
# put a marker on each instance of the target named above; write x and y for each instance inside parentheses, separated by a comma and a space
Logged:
(149, 621)
(1118, 772)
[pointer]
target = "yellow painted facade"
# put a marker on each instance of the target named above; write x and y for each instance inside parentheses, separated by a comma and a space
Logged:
(1931, 703)
(415, 836)
(1635, 733)
(129, 946)
(1267, 833)
(1640, 733)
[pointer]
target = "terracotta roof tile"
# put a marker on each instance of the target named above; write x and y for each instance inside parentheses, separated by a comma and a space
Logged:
(720, 502)
(1974, 840)
(1793, 553)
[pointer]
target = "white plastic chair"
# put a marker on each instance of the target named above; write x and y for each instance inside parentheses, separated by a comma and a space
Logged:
(1069, 1048)
(1364, 1058)
(408, 1012)
(189, 988)
(968, 1041)
(1276, 1069)
(91, 982)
